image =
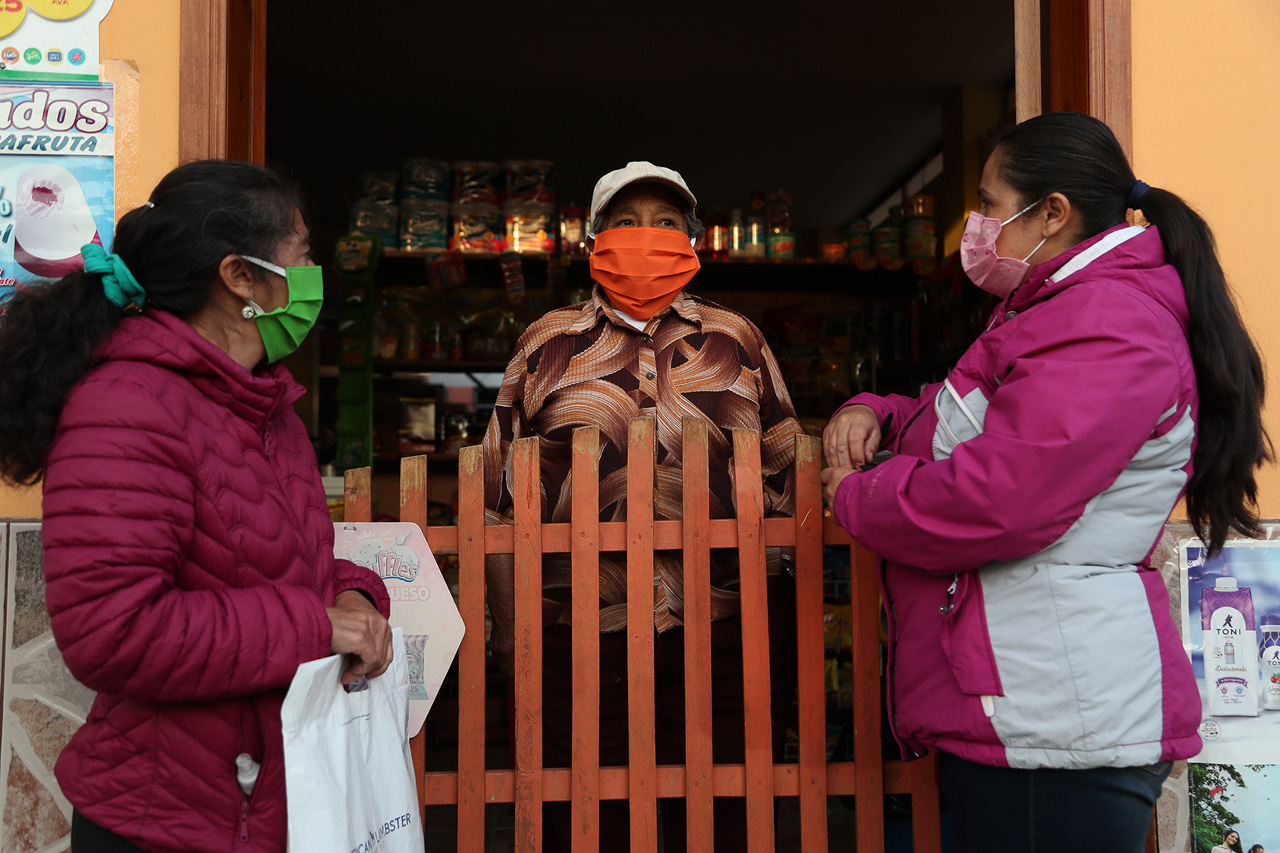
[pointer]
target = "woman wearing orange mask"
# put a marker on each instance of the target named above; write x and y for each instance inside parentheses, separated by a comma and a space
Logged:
(642, 345)
(642, 249)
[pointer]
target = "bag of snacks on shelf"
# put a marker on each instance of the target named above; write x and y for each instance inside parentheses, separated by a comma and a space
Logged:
(530, 227)
(477, 181)
(447, 270)
(377, 185)
(513, 278)
(530, 181)
(380, 220)
(424, 224)
(477, 227)
(425, 179)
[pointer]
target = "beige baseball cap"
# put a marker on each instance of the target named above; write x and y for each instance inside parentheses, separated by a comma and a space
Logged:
(637, 171)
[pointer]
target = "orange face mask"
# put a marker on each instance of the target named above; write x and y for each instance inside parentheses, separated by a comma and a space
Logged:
(642, 269)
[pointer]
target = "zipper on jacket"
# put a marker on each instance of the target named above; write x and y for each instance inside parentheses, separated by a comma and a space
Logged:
(893, 663)
(951, 594)
(246, 800)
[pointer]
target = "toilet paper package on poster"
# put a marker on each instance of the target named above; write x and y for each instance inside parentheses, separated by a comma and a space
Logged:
(57, 178)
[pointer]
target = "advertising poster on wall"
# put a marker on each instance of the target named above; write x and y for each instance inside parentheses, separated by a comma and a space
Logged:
(1234, 798)
(1231, 625)
(50, 39)
(57, 178)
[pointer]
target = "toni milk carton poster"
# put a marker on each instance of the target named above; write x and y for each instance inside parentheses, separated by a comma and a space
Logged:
(1231, 626)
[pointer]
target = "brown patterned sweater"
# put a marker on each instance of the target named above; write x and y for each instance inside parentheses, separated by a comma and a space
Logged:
(584, 365)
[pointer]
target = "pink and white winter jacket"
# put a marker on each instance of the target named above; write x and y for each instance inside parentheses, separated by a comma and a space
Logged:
(189, 561)
(1018, 516)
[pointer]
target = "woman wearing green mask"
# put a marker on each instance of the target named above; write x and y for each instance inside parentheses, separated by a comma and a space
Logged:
(188, 548)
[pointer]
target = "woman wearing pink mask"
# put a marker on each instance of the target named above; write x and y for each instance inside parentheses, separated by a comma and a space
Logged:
(1031, 642)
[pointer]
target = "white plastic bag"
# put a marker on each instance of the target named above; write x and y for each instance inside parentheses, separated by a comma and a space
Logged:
(348, 773)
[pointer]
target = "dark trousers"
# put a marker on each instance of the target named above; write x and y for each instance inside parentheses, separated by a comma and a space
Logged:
(1050, 811)
(726, 708)
(88, 837)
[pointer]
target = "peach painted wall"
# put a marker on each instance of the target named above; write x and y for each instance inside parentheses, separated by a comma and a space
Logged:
(1206, 118)
(140, 56)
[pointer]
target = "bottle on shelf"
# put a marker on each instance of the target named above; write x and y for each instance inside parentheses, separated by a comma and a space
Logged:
(737, 233)
(716, 243)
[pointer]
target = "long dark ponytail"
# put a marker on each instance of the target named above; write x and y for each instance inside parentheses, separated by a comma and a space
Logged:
(198, 214)
(1079, 156)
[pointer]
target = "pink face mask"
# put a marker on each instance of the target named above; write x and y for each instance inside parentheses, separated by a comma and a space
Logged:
(978, 257)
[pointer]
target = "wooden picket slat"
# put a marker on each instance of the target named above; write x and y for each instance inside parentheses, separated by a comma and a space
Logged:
(527, 493)
(926, 822)
(749, 499)
(699, 800)
(810, 655)
(869, 790)
(642, 755)
(357, 497)
(471, 654)
(413, 509)
(585, 513)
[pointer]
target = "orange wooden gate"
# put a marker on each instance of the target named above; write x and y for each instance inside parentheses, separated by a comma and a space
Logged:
(642, 782)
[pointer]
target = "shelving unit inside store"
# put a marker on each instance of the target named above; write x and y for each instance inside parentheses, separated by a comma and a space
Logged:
(719, 274)
(835, 329)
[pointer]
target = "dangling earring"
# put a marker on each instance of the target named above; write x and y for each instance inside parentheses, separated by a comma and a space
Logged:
(247, 312)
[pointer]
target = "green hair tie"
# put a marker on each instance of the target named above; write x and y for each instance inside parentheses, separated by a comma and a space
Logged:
(117, 282)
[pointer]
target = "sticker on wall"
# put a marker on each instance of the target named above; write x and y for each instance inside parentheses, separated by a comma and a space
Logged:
(57, 178)
(421, 602)
(50, 39)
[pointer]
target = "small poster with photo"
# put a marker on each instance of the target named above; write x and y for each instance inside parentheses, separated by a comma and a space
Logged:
(1243, 799)
(421, 602)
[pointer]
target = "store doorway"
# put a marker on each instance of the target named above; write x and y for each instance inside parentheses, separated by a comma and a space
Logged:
(805, 105)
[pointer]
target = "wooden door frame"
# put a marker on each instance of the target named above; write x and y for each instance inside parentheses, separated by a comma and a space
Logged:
(222, 80)
(1075, 54)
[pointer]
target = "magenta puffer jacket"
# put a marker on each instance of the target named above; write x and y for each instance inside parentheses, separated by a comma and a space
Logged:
(189, 561)
(1017, 521)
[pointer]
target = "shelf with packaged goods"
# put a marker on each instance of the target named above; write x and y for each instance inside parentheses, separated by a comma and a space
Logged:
(432, 254)
(392, 252)
(816, 275)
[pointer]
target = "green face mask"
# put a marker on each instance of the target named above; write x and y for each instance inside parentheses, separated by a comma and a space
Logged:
(283, 329)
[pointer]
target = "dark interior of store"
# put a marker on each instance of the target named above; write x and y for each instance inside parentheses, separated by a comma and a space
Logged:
(837, 102)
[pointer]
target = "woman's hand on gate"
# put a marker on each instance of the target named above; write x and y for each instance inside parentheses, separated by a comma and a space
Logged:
(360, 633)
(851, 438)
(831, 480)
